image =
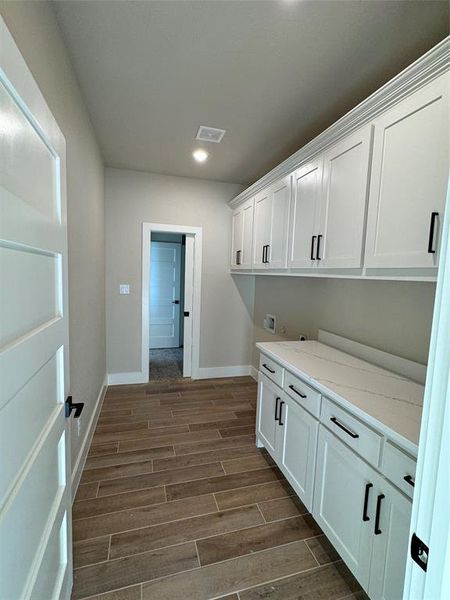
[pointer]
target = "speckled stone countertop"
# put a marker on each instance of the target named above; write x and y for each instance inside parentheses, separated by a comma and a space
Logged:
(385, 400)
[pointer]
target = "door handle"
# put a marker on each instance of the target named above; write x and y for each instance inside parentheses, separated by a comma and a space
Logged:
(365, 516)
(291, 387)
(313, 239)
(344, 428)
(281, 412)
(186, 313)
(238, 257)
(409, 480)
(268, 368)
(267, 254)
(70, 406)
(434, 216)
(319, 237)
(276, 407)
(175, 302)
(377, 529)
(264, 255)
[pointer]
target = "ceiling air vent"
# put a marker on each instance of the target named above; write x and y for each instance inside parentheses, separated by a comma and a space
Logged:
(210, 134)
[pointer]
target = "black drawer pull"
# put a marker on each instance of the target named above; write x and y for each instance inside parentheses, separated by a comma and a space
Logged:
(365, 516)
(238, 257)
(434, 216)
(276, 407)
(291, 387)
(319, 237)
(281, 412)
(313, 239)
(268, 368)
(409, 480)
(377, 529)
(344, 428)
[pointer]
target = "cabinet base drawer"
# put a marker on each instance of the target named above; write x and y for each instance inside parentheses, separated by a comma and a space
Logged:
(357, 435)
(398, 467)
(302, 393)
(271, 369)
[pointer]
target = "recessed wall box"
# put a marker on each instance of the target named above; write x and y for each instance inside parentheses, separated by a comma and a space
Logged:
(270, 323)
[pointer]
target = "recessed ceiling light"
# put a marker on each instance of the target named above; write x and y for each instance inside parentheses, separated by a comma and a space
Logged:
(200, 155)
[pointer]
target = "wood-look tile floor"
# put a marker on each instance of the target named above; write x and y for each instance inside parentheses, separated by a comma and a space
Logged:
(177, 503)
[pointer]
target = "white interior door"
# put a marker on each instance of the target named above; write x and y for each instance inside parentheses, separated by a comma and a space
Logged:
(165, 290)
(35, 516)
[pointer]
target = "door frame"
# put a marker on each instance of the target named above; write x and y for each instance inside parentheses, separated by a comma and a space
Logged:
(193, 274)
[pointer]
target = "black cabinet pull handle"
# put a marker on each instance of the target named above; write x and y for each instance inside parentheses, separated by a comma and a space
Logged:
(277, 399)
(268, 254)
(70, 406)
(344, 428)
(238, 257)
(281, 412)
(291, 387)
(313, 239)
(319, 237)
(409, 480)
(268, 368)
(365, 516)
(377, 529)
(434, 216)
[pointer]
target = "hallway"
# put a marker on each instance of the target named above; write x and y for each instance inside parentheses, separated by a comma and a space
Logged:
(176, 503)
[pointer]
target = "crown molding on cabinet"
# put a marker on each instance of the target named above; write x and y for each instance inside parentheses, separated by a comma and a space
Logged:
(429, 66)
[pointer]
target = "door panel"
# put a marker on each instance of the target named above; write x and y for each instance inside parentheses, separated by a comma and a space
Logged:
(306, 183)
(165, 273)
(237, 238)
(281, 196)
(390, 547)
(409, 179)
(344, 200)
(34, 434)
(340, 484)
(298, 450)
(247, 236)
(261, 231)
(266, 425)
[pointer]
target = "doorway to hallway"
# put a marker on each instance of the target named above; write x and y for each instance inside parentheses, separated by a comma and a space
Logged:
(166, 310)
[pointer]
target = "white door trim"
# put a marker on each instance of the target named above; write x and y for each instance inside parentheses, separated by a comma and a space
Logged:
(193, 269)
(431, 511)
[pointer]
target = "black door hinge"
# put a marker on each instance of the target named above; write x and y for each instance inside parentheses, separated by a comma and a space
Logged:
(70, 406)
(419, 552)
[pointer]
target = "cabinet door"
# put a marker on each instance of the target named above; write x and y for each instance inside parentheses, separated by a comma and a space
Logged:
(236, 243)
(344, 201)
(280, 197)
(247, 235)
(306, 184)
(297, 449)
(390, 545)
(339, 500)
(261, 230)
(269, 397)
(409, 180)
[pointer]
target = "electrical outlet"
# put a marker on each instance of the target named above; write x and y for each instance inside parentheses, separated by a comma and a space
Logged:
(78, 426)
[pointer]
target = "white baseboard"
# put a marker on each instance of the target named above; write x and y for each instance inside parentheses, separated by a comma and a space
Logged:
(254, 372)
(77, 469)
(127, 378)
(213, 372)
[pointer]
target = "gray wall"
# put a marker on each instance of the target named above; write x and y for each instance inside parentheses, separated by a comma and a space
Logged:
(392, 316)
(36, 32)
(132, 197)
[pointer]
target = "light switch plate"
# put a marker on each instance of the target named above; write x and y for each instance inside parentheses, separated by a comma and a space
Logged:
(124, 288)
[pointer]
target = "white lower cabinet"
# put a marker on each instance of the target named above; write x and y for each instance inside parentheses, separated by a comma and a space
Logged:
(365, 518)
(297, 448)
(289, 434)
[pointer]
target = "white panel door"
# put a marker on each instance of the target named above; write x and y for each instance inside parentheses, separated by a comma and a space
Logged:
(390, 544)
(344, 201)
(409, 180)
(165, 272)
(267, 425)
(237, 239)
(342, 484)
(247, 235)
(298, 449)
(261, 230)
(305, 212)
(35, 470)
(278, 244)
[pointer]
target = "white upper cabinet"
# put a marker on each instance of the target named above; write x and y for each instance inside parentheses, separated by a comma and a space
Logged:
(409, 180)
(340, 234)
(305, 215)
(242, 237)
(270, 231)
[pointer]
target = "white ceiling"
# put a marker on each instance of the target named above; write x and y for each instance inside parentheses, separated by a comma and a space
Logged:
(273, 74)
